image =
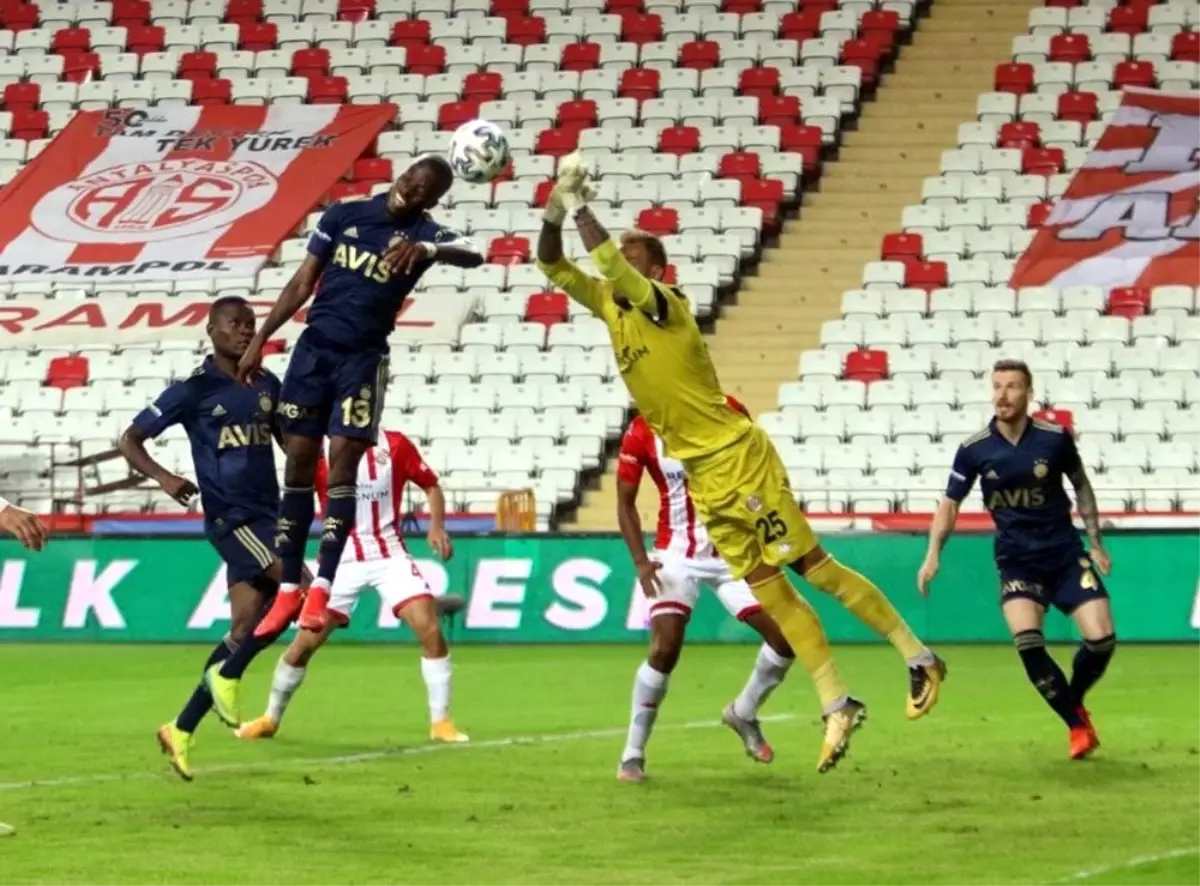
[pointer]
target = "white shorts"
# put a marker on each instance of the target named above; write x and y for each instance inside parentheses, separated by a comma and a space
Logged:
(397, 580)
(681, 579)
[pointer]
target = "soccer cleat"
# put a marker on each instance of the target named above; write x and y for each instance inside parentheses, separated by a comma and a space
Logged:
(751, 734)
(259, 727)
(176, 744)
(1084, 739)
(284, 609)
(924, 687)
(225, 695)
(446, 731)
(633, 769)
(839, 726)
(315, 611)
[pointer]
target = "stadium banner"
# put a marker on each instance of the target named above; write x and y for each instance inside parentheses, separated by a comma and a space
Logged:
(562, 589)
(175, 193)
(425, 318)
(1129, 214)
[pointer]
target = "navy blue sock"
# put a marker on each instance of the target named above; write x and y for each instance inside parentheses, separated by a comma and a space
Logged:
(1090, 663)
(1047, 677)
(340, 513)
(201, 701)
(295, 520)
(237, 663)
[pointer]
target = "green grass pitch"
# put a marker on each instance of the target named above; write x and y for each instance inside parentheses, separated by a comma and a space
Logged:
(979, 792)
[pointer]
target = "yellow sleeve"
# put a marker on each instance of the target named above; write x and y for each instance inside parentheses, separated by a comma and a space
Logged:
(639, 290)
(576, 283)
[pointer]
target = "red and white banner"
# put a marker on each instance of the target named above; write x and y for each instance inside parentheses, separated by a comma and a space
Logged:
(1129, 215)
(119, 320)
(174, 193)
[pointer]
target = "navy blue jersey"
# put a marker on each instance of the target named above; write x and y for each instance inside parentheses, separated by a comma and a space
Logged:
(1022, 487)
(231, 429)
(357, 298)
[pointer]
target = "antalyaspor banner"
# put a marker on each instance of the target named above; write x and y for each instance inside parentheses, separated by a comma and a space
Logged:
(170, 193)
(117, 319)
(1128, 217)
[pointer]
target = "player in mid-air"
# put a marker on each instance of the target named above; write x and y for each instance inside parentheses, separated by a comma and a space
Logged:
(1020, 463)
(367, 256)
(738, 482)
(377, 558)
(670, 575)
(232, 432)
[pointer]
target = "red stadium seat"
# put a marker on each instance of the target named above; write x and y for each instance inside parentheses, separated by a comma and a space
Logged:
(327, 90)
(426, 60)
(866, 365)
(81, 67)
(504, 8)
(1042, 161)
(805, 141)
(767, 195)
(244, 11)
(257, 36)
(659, 221)
(578, 114)
(371, 169)
(141, 39)
(759, 83)
(411, 32)
(617, 7)
(742, 165)
(127, 13)
(679, 140)
(526, 31)
(1014, 77)
(1078, 107)
(778, 110)
(641, 27)
(274, 346)
(199, 63)
(1063, 417)
(1064, 4)
(804, 24)
(1037, 214)
(1134, 73)
(899, 246)
(355, 10)
(22, 17)
(452, 115)
(741, 7)
(1129, 301)
(885, 20)
(1185, 47)
(483, 86)
(29, 125)
(508, 251)
(349, 191)
(70, 40)
(1072, 48)
(700, 55)
(21, 96)
(211, 92)
(1023, 134)
(547, 307)
(883, 42)
(69, 371)
(639, 83)
(541, 193)
(927, 275)
(556, 142)
(310, 62)
(864, 55)
(1131, 20)
(580, 57)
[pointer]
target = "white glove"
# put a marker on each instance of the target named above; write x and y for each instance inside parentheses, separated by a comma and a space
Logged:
(573, 186)
(556, 209)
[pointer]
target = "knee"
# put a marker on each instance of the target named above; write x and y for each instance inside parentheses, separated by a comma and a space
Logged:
(424, 625)
(1105, 645)
(664, 654)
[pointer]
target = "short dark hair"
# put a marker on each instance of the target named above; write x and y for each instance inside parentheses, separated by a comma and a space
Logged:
(1014, 366)
(438, 164)
(654, 246)
(227, 301)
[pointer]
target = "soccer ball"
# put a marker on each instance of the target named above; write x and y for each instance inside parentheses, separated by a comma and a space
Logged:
(478, 151)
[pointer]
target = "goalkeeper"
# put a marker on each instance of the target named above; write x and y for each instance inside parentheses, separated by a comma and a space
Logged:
(737, 480)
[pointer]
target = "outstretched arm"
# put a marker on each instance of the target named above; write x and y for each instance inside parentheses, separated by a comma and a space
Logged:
(640, 291)
(559, 269)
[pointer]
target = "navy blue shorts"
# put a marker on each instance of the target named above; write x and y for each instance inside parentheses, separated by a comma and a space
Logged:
(1066, 588)
(331, 390)
(248, 549)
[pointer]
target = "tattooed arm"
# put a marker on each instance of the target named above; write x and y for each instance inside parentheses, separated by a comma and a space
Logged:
(1085, 501)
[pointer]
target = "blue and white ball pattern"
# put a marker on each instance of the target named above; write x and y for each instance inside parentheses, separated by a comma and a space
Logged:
(479, 151)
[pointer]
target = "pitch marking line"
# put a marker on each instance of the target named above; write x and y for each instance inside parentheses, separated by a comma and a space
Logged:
(1136, 862)
(368, 756)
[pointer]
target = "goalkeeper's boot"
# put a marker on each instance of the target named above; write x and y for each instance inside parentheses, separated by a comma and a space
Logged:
(315, 611)
(284, 610)
(176, 744)
(924, 687)
(750, 732)
(839, 726)
(259, 727)
(445, 731)
(1084, 739)
(225, 695)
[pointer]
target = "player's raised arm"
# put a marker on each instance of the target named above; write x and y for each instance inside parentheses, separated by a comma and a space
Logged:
(23, 525)
(1085, 501)
(166, 411)
(560, 270)
(629, 478)
(958, 487)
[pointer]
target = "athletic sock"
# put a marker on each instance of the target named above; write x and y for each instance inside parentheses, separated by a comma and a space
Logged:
(284, 684)
(1090, 663)
(246, 652)
(340, 510)
(769, 670)
(1047, 677)
(201, 701)
(649, 689)
(437, 675)
(858, 594)
(295, 520)
(802, 629)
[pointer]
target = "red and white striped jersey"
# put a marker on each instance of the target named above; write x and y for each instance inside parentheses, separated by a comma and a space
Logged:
(383, 472)
(679, 531)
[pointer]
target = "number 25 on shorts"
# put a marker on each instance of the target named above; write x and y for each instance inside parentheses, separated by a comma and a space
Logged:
(356, 413)
(771, 527)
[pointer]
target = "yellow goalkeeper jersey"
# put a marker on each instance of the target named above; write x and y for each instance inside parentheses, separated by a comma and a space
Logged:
(660, 352)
